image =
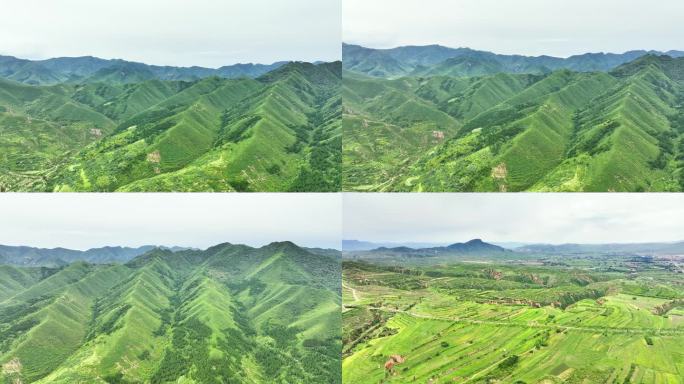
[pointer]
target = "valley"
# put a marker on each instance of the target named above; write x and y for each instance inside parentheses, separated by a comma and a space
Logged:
(573, 314)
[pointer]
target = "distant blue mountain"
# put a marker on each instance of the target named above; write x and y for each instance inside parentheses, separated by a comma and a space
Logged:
(432, 60)
(90, 69)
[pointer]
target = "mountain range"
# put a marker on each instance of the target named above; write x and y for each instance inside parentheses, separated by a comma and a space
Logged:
(478, 249)
(138, 130)
(361, 245)
(501, 128)
(661, 249)
(57, 257)
(90, 69)
(434, 60)
(474, 248)
(227, 314)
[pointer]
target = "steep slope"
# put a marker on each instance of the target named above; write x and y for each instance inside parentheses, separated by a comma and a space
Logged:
(624, 140)
(230, 313)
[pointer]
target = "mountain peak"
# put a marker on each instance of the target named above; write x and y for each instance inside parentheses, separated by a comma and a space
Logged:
(281, 244)
(324, 73)
(643, 62)
(475, 245)
(149, 256)
(475, 241)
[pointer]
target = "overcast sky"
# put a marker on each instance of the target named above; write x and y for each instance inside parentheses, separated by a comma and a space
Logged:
(207, 33)
(82, 221)
(529, 27)
(519, 217)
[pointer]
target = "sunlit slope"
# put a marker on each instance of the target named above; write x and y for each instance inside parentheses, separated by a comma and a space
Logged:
(565, 131)
(228, 314)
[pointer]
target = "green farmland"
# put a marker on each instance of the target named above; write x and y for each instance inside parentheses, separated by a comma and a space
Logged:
(589, 319)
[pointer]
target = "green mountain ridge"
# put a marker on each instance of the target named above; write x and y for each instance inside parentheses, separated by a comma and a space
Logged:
(560, 131)
(278, 132)
(230, 313)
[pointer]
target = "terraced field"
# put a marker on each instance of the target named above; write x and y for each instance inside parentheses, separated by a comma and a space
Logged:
(230, 314)
(617, 129)
(607, 319)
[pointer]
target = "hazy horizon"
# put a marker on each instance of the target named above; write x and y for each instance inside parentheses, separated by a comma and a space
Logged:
(559, 28)
(254, 245)
(203, 33)
(84, 221)
(533, 218)
(165, 65)
(495, 242)
(499, 53)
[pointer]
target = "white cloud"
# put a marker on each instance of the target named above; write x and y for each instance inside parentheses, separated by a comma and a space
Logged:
(530, 27)
(81, 221)
(173, 32)
(522, 217)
